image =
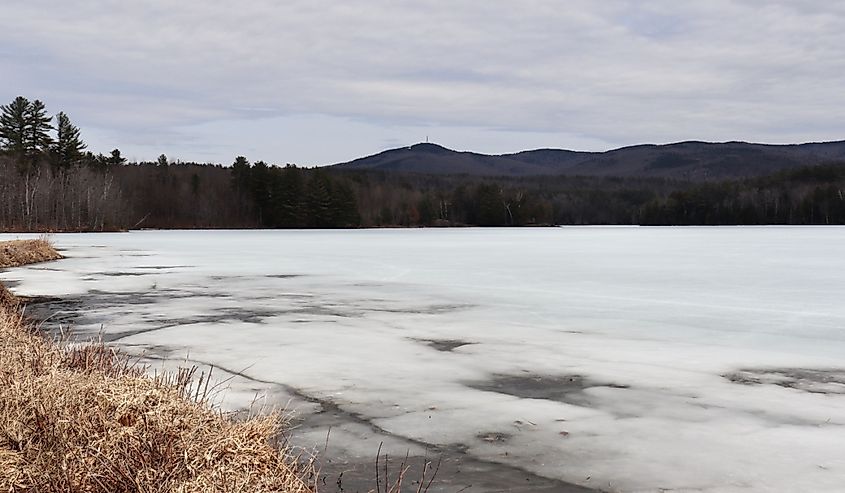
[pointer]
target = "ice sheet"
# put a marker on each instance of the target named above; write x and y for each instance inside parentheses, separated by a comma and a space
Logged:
(630, 359)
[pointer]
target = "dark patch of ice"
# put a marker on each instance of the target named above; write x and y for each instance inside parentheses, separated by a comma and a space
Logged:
(816, 381)
(569, 389)
(444, 345)
(494, 437)
(424, 310)
(164, 267)
(122, 274)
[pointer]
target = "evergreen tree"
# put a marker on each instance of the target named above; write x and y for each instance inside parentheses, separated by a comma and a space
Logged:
(344, 208)
(318, 201)
(38, 128)
(288, 198)
(426, 210)
(195, 184)
(490, 210)
(68, 146)
(24, 127)
(13, 126)
(115, 159)
(260, 187)
(241, 174)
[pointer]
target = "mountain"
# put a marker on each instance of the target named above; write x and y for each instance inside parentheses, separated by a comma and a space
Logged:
(695, 161)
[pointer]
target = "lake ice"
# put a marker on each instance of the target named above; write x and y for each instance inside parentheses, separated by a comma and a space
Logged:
(623, 359)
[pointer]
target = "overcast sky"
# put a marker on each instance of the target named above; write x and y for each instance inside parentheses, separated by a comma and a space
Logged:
(318, 82)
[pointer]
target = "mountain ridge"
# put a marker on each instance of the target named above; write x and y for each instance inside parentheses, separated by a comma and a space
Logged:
(689, 160)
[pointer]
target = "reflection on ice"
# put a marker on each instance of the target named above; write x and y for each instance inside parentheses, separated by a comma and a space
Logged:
(704, 359)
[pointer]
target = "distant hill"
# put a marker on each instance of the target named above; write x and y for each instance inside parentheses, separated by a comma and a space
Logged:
(695, 161)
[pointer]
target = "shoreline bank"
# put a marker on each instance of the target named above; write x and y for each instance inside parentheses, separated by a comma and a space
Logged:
(82, 417)
(353, 443)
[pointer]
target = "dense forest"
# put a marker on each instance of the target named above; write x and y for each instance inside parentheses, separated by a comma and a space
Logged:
(51, 182)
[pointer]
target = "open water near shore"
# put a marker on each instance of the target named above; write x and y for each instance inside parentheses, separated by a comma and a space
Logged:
(620, 359)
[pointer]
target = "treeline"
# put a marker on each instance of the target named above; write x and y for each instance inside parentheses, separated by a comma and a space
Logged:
(392, 199)
(809, 195)
(50, 182)
(292, 197)
(97, 195)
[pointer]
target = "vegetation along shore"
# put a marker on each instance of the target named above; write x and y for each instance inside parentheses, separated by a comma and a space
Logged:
(83, 418)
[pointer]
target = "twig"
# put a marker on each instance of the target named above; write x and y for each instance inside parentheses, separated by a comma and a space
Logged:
(436, 469)
(386, 475)
(378, 481)
(327, 440)
(142, 220)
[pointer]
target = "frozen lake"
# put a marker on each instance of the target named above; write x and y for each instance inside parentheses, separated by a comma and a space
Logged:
(622, 359)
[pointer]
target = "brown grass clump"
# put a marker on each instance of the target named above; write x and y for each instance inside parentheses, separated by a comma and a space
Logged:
(82, 419)
(22, 252)
(7, 299)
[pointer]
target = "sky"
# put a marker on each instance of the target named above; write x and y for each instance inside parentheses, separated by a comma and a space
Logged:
(319, 82)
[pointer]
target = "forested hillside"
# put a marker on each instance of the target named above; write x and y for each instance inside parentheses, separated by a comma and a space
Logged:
(51, 182)
(688, 161)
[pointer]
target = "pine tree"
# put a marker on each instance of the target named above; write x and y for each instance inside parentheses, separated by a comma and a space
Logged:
(288, 198)
(241, 174)
(24, 127)
(262, 192)
(115, 159)
(68, 147)
(344, 208)
(318, 200)
(38, 128)
(490, 209)
(13, 128)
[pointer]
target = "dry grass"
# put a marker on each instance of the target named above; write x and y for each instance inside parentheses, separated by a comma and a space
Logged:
(22, 252)
(7, 299)
(81, 418)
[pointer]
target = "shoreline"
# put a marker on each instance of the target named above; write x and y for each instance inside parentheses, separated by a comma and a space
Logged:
(353, 440)
(35, 233)
(345, 464)
(17, 253)
(137, 431)
(457, 470)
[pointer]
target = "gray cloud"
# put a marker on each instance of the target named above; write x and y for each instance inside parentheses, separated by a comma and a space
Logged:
(196, 77)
